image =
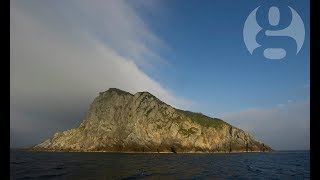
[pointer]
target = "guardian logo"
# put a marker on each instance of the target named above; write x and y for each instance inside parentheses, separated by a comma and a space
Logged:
(295, 30)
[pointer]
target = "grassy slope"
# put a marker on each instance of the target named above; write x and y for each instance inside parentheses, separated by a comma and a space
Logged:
(202, 119)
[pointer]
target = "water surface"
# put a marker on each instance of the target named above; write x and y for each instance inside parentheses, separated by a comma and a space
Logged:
(77, 165)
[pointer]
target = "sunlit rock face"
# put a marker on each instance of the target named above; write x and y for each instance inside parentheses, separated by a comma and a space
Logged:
(121, 122)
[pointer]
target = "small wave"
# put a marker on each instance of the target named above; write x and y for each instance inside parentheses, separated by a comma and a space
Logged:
(52, 175)
(19, 162)
(59, 167)
(46, 176)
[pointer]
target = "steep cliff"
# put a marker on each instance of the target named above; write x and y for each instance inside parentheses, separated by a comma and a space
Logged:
(121, 122)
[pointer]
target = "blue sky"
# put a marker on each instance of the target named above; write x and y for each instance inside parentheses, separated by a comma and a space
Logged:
(190, 54)
(208, 55)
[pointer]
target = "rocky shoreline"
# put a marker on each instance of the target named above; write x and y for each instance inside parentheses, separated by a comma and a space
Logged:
(149, 152)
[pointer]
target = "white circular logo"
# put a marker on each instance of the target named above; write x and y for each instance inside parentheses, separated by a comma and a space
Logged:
(295, 30)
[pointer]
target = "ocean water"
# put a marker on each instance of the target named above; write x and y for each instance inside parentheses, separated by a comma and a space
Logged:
(76, 165)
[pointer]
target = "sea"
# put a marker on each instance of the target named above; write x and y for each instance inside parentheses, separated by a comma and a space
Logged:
(97, 165)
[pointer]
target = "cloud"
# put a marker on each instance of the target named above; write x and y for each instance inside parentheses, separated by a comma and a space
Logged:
(281, 105)
(63, 53)
(307, 85)
(282, 128)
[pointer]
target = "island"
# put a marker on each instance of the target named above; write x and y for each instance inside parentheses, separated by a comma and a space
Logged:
(119, 121)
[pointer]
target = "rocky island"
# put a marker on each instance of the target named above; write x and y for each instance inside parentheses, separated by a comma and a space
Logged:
(118, 121)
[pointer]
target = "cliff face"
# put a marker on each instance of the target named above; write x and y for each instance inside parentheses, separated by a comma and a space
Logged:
(120, 121)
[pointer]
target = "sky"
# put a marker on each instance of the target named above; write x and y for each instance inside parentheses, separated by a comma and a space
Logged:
(190, 54)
